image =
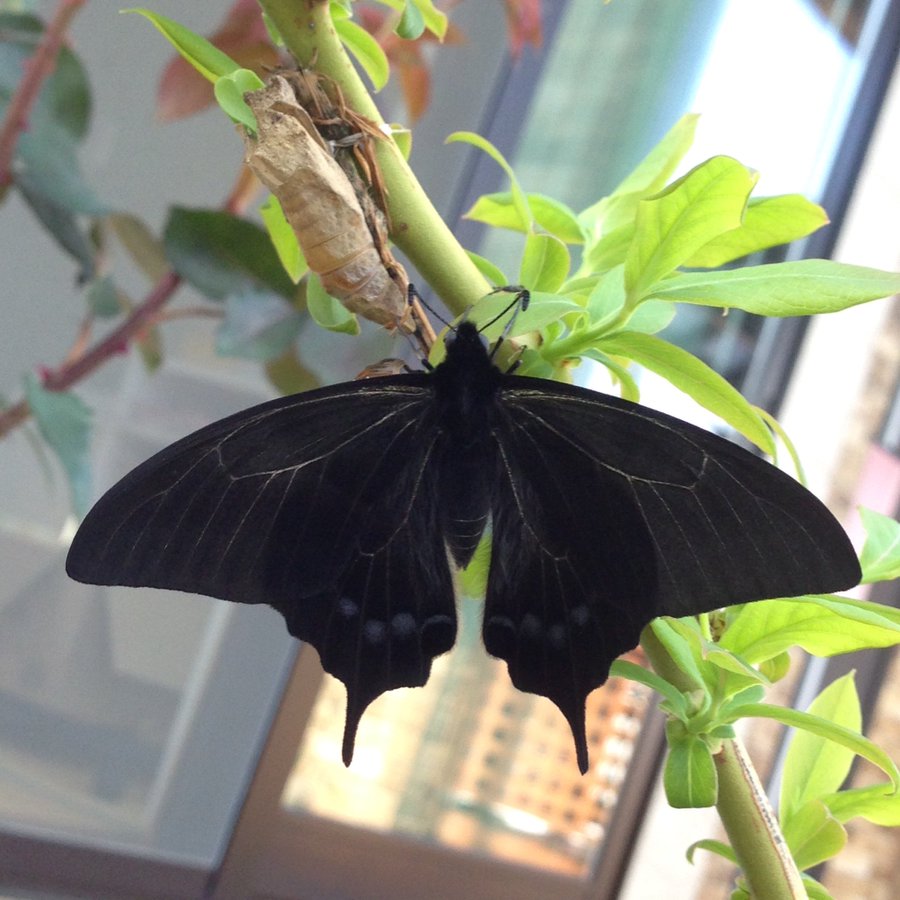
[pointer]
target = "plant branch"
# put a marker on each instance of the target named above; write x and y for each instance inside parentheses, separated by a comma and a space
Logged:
(37, 69)
(743, 807)
(114, 343)
(82, 362)
(416, 226)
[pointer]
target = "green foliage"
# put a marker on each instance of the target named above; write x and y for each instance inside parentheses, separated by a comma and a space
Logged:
(880, 557)
(283, 239)
(257, 325)
(634, 246)
(65, 424)
(208, 60)
(326, 311)
(222, 255)
(723, 681)
(229, 92)
(230, 81)
(46, 172)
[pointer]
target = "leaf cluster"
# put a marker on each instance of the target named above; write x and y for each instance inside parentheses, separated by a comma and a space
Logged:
(726, 664)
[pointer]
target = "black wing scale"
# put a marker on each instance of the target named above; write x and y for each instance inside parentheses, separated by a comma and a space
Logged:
(338, 507)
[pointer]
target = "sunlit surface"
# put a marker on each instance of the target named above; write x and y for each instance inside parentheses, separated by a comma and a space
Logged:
(470, 762)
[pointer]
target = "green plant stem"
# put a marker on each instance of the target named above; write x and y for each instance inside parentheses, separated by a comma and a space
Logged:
(416, 226)
(743, 807)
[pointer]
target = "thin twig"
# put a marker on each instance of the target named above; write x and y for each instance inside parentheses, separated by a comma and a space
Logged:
(111, 345)
(37, 69)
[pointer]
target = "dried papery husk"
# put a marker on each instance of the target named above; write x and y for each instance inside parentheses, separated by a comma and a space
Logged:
(292, 160)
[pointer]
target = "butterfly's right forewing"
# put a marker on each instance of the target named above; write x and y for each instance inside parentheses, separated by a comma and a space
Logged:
(322, 505)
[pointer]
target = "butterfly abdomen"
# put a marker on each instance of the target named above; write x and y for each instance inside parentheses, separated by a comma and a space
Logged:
(466, 387)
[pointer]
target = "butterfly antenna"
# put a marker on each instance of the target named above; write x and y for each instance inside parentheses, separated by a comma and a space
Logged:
(518, 304)
(422, 336)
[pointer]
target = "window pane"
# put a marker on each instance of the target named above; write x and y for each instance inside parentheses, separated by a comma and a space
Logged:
(106, 736)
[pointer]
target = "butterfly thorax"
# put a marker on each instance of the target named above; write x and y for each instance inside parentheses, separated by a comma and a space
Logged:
(465, 388)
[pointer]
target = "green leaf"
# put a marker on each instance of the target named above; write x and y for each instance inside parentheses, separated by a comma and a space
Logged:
(813, 835)
(543, 310)
(412, 22)
(628, 387)
(524, 216)
(366, 50)
(142, 245)
(64, 226)
(257, 326)
(814, 766)
(695, 378)
(675, 699)
(326, 311)
(708, 844)
(222, 255)
(64, 101)
(821, 625)
(690, 778)
(545, 263)
(610, 251)
(229, 91)
(683, 648)
(402, 138)
(651, 316)
(768, 222)
(785, 439)
(274, 34)
(799, 288)
(207, 59)
(491, 272)
(435, 20)
(473, 579)
(876, 803)
(775, 668)
(288, 374)
(687, 215)
(814, 890)
(283, 238)
(554, 217)
(47, 164)
(733, 664)
(606, 299)
(880, 557)
(149, 346)
(66, 95)
(844, 736)
(64, 422)
(102, 298)
(648, 177)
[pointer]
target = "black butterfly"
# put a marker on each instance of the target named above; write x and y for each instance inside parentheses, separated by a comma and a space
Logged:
(344, 507)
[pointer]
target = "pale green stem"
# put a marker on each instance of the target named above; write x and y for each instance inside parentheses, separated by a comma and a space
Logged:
(416, 226)
(751, 826)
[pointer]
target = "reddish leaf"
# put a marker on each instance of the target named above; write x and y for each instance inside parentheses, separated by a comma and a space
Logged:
(184, 92)
(406, 57)
(523, 22)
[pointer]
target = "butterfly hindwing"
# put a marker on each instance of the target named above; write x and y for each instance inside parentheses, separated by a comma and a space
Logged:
(314, 504)
(607, 514)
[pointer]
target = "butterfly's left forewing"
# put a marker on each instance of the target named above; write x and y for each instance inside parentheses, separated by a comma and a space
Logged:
(316, 504)
(607, 514)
